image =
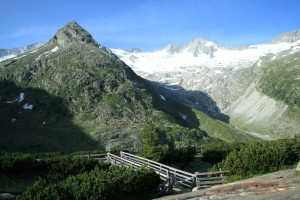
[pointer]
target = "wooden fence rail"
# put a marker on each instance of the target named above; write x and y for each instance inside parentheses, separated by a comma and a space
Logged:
(180, 177)
(169, 174)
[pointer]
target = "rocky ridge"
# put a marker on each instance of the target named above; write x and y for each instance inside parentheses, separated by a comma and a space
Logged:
(289, 37)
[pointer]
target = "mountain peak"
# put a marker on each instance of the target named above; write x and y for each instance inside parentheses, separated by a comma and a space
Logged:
(201, 46)
(134, 50)
(173, 48)
(288, 37)
(72, 32)
(201, 42)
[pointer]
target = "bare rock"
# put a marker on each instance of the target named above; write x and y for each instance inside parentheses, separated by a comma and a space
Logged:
(298, 167)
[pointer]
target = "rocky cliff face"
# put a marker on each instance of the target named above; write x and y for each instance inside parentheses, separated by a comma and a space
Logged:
(73, 33)
(289, 37)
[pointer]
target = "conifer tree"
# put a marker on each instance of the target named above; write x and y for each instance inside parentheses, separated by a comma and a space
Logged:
(151, 148)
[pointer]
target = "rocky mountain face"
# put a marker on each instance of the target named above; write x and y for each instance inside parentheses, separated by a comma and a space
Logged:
(289, 37)
(222, 78)
(73, 93)
(195, 47)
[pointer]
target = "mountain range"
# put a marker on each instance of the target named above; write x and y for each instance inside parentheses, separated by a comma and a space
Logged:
(10, 53)
(71, 93)
(240, 81)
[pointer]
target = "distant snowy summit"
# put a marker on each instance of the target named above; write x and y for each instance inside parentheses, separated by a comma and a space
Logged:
(204, 53)
(10, 53)
(179, 58)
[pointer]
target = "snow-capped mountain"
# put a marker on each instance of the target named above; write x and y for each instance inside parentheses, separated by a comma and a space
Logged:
(210, 77)
(203, 65)
(10, 53)
(231, 84)
(203, 53)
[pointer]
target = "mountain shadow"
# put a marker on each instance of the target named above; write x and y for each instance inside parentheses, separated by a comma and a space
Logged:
(32, 120)
(192, 99)
(176, 111)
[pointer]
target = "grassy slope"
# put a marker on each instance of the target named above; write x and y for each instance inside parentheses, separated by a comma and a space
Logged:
(214, 128)
(221, 130)
(281, 79)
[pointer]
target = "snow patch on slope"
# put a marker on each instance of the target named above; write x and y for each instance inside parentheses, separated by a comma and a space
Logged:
(55, 49)
(162, 97)
(21, 97)
(13, 101)
(183, 116)
(28, 107)
(47, 53)
(7, 57)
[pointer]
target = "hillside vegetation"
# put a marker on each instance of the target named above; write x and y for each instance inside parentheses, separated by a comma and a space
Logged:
(246, 160)
(280, 79)
(75, 177)
(80, 97)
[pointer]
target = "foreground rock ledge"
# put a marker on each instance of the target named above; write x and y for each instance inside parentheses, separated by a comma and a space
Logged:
(278, 185)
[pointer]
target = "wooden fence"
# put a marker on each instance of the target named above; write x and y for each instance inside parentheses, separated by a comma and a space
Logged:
(169, 174)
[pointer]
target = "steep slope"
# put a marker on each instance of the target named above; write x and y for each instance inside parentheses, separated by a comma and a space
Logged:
(71, 91)
(271, 103)
(200, 119)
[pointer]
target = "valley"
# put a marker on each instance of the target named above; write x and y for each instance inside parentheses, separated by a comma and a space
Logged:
(193, 85)
(232, 108)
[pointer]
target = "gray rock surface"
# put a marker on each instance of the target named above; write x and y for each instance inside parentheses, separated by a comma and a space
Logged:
(287, 37)
(274, 186)
(298, 167)
(71, 33)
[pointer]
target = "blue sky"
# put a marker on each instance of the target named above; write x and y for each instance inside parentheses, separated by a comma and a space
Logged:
(149, 24)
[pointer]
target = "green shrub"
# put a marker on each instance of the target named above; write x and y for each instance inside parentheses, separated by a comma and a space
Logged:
(152, 150)
(17, 163)
(215, 152)
(262, 157)
(89, 152)
(184, 154)
(53, 166)
(114, 183)
(59, 168)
